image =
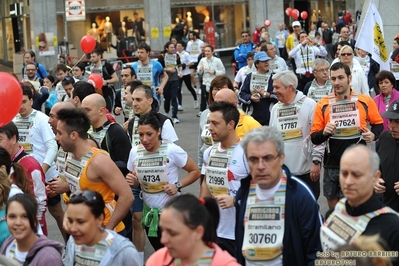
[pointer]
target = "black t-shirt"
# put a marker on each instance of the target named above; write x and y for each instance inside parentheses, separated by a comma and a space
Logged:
(117, 144)
(388, 150)
(138, 25)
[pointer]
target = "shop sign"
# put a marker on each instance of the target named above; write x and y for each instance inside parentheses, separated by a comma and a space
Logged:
(75, 10)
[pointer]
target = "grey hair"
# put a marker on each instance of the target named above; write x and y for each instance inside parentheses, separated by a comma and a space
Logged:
(345, 47)
(320, 62)
(374, 159)
(287, 77)
(263, 134)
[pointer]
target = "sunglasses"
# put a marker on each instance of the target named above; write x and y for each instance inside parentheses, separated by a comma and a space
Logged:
(87, 195)
(346, 54)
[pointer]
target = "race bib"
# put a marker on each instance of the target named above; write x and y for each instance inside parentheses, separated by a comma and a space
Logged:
(307, 57)
(151, 173)
(288, 122)
(170, 60)
(144, 74)
(24, 139)
(206, 136)
(345, 115)
(264, 233)
(194, 48)
(217, 175)
(73, 171)
(259, 82)
(135, 132)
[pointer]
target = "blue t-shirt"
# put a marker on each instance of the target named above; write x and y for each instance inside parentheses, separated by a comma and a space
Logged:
(4, 233)
(157, 72)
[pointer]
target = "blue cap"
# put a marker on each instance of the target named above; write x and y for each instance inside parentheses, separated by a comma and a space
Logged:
(261, 56)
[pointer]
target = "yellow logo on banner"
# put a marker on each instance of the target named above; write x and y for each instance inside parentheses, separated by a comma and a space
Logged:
(379, 41)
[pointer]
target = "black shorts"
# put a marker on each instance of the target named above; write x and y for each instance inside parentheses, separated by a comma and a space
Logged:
(54, 200)
(193, 66)
(331, 187)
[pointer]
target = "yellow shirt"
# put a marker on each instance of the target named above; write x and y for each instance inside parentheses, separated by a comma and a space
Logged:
(245, 124)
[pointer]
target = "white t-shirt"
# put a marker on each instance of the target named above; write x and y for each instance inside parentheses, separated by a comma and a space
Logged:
(168, 132)
(185, 59)
(239, 167)
(44, 146)
(177, 158)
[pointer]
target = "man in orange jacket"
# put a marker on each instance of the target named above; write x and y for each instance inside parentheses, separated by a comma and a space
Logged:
(340, 120)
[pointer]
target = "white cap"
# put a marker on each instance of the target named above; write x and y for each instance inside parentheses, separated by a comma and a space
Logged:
(296, 23)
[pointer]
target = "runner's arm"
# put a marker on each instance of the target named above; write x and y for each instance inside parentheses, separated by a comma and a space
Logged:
(106, 170)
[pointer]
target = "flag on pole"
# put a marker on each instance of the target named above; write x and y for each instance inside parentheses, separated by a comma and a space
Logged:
(371, 37)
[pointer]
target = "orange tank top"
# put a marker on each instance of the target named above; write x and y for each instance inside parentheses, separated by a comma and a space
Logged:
(102, 188)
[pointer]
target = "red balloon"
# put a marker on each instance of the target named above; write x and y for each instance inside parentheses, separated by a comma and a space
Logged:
(96, 80)
(288, 11)
(295, 13)
(88, 43)
(10, 98)
(304, 15)
(267, 23)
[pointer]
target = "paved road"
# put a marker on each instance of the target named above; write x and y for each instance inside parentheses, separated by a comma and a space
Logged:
(188, 132)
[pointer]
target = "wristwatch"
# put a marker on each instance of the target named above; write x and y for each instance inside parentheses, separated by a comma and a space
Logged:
(316, 162)
(179, 186)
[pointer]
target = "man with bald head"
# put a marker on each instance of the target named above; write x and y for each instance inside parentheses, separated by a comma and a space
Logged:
(246, 122)
(110, 136)
(359, 171)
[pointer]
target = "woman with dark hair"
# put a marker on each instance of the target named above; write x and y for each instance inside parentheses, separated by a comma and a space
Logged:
(90, 242)
(189, 234)
(154, 165)
(49, 83)
(25, 246)
(5, 187)
(385, 81)
(78, 72)
(209, 67)
(18, 177)
(171, 64)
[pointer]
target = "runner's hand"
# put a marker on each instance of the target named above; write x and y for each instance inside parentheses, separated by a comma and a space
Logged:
(329, 129)
(225, 201)
(367, 135)
(379, 187)
(315, 172)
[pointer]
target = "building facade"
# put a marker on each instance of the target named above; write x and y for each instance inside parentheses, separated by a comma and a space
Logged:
(23, 22)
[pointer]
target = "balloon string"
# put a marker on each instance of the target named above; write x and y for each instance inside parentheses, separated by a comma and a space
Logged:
(77, 62)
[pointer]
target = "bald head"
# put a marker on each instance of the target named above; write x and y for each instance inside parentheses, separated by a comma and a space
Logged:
(94, 100)
(95, 107)
(53, 118)
(226, 95)
(359, 171)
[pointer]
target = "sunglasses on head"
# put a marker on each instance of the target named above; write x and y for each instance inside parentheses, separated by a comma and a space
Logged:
(87, 195)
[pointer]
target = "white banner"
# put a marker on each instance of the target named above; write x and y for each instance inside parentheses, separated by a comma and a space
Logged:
(371, 37)
(75, 10)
